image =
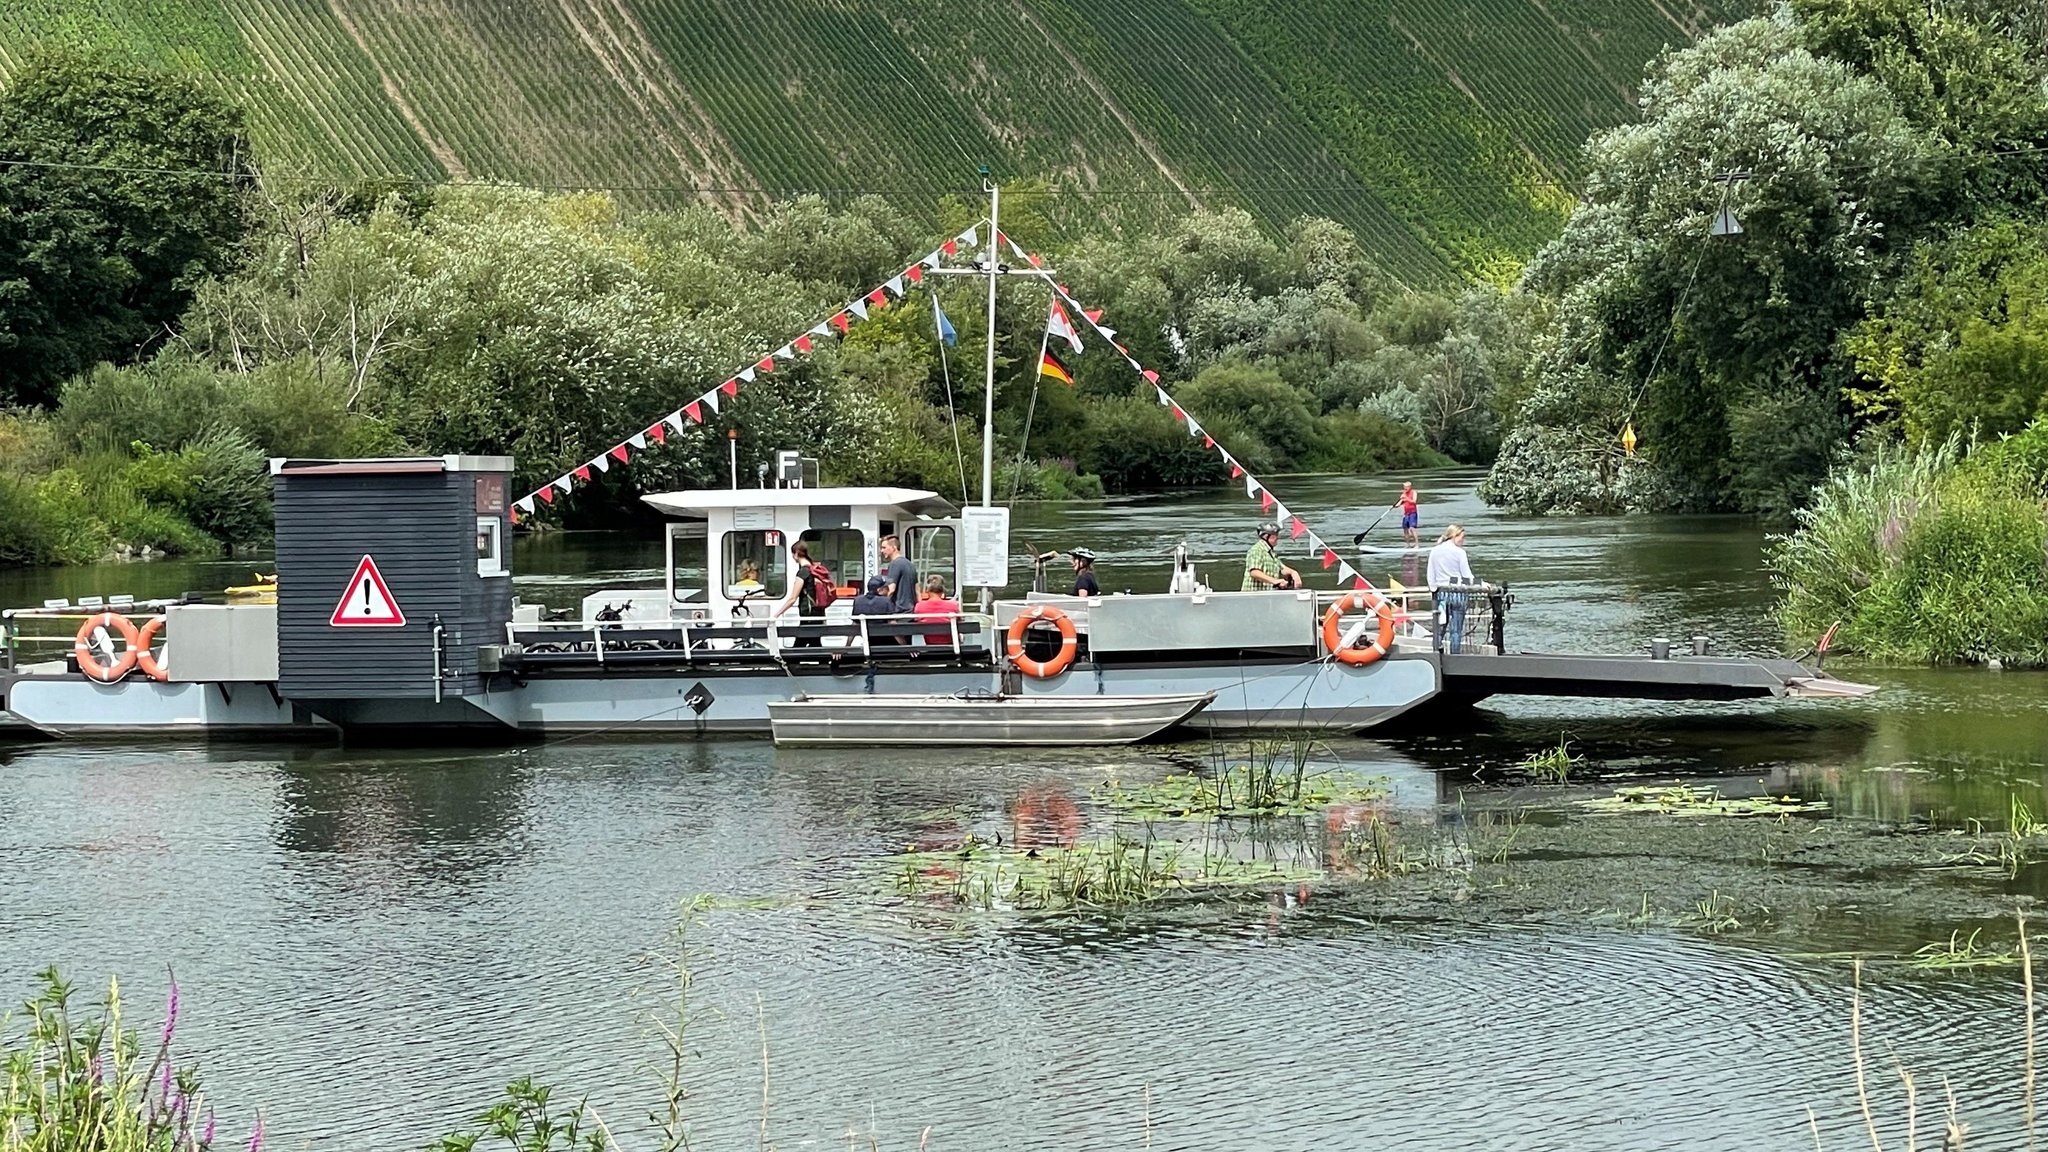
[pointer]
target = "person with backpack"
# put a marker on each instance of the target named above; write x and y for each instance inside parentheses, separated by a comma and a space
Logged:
(811, 591)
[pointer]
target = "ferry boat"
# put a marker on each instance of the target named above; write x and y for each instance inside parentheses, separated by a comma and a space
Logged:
(393, 616)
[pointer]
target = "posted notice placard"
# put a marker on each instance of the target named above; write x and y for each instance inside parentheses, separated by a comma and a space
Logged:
(984, 547)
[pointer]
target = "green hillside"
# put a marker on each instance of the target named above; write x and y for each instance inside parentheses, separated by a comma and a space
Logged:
(1437, 129)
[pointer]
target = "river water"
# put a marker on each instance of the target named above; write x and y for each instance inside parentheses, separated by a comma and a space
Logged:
(369, 943)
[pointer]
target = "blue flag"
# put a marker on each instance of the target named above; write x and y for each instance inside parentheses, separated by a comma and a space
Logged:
(946, 333)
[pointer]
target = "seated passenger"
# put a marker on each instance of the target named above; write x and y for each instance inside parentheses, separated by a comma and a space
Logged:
(934, 604)
(875, 602)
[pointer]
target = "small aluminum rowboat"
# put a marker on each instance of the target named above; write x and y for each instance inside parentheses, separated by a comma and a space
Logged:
(817, 721)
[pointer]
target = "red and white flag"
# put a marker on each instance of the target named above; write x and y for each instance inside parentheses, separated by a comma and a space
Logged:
(1058, 327)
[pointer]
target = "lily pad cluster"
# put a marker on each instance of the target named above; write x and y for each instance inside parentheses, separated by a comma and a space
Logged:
(1686, 800)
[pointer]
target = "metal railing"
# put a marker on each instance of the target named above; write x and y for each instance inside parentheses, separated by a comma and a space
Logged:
(1422, 620)
(38, 635)
(772, 639)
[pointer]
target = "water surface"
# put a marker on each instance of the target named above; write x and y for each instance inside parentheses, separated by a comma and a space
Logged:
(369, 942)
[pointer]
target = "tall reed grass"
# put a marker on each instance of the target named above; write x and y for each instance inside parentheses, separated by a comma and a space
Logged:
(1922, 556)
(81, 1081)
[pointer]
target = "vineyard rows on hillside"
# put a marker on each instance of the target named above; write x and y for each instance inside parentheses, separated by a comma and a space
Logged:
(1446, 133)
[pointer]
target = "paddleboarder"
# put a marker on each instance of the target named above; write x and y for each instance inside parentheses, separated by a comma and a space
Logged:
(1411, 515)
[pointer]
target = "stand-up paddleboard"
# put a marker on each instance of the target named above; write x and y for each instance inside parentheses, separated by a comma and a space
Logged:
(1369, 550)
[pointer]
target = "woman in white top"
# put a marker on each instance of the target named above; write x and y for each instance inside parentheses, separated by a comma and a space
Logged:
(1450, 575)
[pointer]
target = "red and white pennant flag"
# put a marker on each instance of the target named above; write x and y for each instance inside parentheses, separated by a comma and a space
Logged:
(840, 322)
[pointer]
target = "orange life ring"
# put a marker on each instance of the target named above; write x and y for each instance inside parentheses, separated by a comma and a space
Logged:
(1042, 669)
(89, 664)
(145, 660)
(1333, 632)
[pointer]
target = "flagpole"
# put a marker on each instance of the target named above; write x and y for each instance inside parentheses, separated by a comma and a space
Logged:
(1037, 375)
(988, 402)
(946, 373)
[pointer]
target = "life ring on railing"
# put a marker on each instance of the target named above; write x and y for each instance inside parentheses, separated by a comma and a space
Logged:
(145, 659)
(1333, 620)
(1042, 669)
(88, 661)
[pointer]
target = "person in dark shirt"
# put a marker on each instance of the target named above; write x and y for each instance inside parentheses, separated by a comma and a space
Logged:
(1084, 573)
(803, 593)
(876, 602)
(898, 576)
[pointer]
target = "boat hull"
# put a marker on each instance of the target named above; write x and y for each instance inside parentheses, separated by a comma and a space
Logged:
(846, 720)
(1271, 696)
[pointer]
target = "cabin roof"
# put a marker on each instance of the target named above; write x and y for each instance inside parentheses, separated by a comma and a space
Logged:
(696, 503)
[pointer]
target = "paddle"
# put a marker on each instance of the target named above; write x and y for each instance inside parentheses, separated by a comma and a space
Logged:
(1360, 538)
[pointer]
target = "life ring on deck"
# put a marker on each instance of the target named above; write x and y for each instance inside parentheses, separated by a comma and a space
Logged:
(1042, 669)
(88, 662)
(1333, 627)
(145, 659)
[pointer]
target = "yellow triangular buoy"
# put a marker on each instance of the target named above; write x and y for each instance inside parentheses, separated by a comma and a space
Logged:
(1628, 438)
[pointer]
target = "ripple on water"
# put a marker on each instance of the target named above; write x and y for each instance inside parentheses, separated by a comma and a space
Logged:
(371, 944)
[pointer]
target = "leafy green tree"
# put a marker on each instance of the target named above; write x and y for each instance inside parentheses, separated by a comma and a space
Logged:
(120, 190)
(1961, 345)
(1256, 399)
(1660, 324)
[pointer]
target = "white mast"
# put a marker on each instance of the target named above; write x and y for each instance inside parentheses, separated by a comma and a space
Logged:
(988, 402)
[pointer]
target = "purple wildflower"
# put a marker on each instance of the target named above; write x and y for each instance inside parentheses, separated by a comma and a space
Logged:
(206, 1133)
(93, 1069)
(163, 1091)
(170, 1016)
(256, 1137)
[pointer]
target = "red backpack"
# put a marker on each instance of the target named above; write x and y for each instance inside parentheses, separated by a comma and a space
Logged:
(823, 591)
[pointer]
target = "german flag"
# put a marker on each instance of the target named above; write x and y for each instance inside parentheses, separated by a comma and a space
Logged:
(1049, 365)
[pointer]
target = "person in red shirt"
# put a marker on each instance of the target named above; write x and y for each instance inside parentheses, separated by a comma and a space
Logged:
(1411, 516)
(934, 604)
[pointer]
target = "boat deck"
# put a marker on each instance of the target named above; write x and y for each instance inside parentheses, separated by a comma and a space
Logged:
(1471, 677)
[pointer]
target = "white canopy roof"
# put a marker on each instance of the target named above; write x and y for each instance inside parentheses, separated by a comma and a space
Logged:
(694, 504)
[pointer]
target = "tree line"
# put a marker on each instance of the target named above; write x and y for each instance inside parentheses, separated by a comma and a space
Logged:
(171, 313)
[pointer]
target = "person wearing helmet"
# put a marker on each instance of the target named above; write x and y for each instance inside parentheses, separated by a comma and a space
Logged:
(1263, 571)
(1084, 573)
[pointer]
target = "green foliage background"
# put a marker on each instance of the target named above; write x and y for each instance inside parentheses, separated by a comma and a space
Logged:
(1437, 131)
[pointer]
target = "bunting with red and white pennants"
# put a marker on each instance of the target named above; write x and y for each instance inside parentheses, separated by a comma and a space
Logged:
(695, 412)
(1254, 488)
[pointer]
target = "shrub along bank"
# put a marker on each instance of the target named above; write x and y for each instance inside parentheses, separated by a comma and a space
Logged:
(1927, 556)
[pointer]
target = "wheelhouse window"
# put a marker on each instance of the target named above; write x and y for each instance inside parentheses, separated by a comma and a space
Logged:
(490, 546)
(931, 549)
(755, 565)
(844, 551)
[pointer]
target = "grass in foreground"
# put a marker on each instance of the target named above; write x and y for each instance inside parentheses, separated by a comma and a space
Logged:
(81, 1081)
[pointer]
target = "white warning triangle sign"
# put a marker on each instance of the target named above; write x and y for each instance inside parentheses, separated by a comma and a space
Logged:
(367, 603)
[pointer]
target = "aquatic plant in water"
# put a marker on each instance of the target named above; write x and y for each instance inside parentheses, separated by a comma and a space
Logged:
(1239, 791)
(82, 1082)
(1552, 765)
(1684, 800)
(1959, 951)
(1120, 872)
